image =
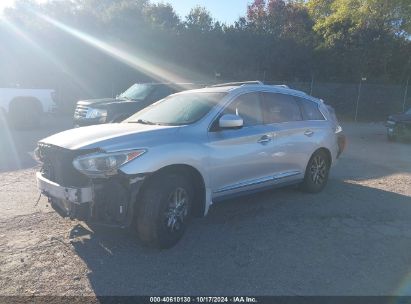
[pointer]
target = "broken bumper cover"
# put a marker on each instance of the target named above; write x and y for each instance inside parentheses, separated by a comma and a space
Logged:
(72, 195)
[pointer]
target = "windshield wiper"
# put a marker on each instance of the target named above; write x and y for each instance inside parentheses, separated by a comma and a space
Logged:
(129, 99)
(144, 122)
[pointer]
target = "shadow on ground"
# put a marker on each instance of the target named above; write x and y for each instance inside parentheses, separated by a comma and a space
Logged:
(350, 239)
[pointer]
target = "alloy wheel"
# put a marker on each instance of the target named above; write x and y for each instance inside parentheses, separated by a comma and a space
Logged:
(177, 211)
(318, 170)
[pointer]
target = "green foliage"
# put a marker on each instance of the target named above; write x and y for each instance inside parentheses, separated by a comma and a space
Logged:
(338, 20)
(276, 39)
(363, 35)
(163, 16)
(199, 19)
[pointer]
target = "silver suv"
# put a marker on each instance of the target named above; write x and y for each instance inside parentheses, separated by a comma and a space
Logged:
(171, 161)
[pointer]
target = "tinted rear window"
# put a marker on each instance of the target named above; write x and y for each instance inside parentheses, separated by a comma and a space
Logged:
(310, 109)
(280, 108)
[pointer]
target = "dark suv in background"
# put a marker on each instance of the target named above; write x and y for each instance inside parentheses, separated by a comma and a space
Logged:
(135, 98)
(399, 126)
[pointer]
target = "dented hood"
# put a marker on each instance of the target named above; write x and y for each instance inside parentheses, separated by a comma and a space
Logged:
(110, 137)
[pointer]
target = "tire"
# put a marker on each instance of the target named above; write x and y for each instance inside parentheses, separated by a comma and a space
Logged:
(317, 172)
(391, 137)
(158, 222)
(24, 113)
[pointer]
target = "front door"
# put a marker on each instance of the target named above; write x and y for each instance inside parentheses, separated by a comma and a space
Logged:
(240, 159)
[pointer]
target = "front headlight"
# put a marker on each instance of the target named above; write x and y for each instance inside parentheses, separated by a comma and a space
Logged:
(96, 113)
(104, 164)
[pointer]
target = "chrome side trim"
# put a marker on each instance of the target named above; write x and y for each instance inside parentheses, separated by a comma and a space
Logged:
(258, 181)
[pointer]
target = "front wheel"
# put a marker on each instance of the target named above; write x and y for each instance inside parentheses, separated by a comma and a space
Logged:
(391, 136)
(316, 173)
(165, 210)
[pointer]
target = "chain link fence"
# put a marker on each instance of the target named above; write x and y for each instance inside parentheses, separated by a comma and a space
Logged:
(372, 102)
(375, 101)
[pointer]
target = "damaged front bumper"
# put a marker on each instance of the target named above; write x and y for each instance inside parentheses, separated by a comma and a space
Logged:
(73, 195)
(109, 202)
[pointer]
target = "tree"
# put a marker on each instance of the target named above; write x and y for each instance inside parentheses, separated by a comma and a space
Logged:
(281, 19)
(257, 15)
(362, 34)
(199, 19)
(339, 19)
(163, 16)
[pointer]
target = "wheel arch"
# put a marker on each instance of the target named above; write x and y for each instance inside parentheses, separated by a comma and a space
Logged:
(15, 100)
(193, 175)
(327, 152)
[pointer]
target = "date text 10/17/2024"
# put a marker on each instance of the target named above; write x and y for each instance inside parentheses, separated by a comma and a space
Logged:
(237, 299)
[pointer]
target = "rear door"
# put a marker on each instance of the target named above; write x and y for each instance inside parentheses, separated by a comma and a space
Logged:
(292, 137)
(318, 130)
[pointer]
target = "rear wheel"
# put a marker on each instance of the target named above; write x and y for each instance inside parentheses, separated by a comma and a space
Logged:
(316, 173)
(165, 210)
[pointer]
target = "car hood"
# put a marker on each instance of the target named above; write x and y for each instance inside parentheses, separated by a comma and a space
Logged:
(90, 102)
(102, 101)
(111, 137)
(400, 117)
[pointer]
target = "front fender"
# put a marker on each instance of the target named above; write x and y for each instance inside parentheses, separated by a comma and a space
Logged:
(154, 159)
(190, 154)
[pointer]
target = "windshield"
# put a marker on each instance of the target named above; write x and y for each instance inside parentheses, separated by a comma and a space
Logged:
(180, 109)
(137, 91)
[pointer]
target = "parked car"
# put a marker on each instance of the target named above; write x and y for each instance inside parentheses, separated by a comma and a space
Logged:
(24, 108)
(174, 159)
(399, 126)
(137, 97)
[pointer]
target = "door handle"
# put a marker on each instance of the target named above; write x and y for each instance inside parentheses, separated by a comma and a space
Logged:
(265, 139)
(308, 133)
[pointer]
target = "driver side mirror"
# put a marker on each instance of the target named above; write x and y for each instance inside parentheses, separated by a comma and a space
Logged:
(230, 121)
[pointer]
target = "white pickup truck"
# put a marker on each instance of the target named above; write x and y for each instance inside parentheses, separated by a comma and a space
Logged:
(25, 107)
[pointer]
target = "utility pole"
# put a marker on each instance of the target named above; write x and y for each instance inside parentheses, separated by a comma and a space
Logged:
(405, 94)
(358, 98)
(312, 84)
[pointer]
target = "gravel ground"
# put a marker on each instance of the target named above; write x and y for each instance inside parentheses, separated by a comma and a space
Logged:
(354, 238)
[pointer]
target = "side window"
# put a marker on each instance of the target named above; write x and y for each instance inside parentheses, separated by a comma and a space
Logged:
(310, 109)
(248, 106)
(280, 108)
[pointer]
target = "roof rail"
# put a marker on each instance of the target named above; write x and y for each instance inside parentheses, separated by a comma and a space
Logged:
(282, 86)
(237, 83)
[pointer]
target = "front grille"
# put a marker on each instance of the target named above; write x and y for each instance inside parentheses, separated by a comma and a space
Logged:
(58, 166)
(81, 111)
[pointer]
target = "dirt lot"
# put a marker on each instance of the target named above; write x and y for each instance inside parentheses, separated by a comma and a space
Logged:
(352, 239)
